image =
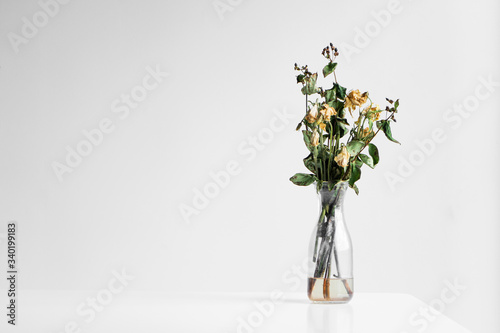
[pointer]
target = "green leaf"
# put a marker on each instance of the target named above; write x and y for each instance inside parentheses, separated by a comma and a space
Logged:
(354, 147)
(307, 139)
(300, 78)
(355, 188)
(310, 86)
(331, 185)
(330, 95)
(396, 103)
(341, 91)
(302, 179)
(328, 69)
(339, 107)
(340, 126)
(385, 126)
(373, 151)
(309, 163)
(358, 162)
(319, 185)
(343, 121)
(355, 174)
(368, 160)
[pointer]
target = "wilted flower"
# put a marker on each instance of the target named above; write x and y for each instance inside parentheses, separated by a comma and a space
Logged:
(354, 95)
(315, 138)
(312, 114)
(348, 104)
(355, 98)
(342, 158)
(327, 112)
(322, 126)
(371, 112)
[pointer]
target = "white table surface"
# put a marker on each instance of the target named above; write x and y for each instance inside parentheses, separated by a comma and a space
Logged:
(56, 312)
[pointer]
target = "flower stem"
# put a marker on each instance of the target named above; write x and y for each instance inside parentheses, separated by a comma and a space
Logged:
(321, 217)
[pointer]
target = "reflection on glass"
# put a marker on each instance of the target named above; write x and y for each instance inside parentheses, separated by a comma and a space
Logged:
(323, 318)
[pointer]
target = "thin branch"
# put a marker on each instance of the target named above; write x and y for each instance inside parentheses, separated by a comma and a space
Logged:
(368, 142)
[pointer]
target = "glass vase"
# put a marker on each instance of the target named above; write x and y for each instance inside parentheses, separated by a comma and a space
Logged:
(330, 278)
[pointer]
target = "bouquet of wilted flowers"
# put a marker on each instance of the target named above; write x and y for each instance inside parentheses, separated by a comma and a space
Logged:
(337, 148)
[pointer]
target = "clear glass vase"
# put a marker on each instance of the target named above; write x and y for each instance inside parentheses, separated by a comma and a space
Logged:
(330, 278)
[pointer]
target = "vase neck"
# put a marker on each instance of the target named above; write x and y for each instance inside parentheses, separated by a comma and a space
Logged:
(332, 197)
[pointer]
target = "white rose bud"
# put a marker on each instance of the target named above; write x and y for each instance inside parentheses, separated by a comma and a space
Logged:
(342, 158)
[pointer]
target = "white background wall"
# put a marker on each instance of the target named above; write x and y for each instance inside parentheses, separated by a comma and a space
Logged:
(228, 75)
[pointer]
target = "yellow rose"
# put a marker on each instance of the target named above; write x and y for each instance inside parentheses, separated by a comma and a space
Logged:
(352, 100)
(315, 138)
(355, 98)
(342, 158)
(312, 114)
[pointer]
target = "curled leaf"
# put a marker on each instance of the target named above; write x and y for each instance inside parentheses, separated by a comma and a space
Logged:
(385, 126)
(373, 151)
(329, 68)
(302, 179)
(368, 160)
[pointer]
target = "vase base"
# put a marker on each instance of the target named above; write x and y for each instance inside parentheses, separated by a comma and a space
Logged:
(321, 290)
